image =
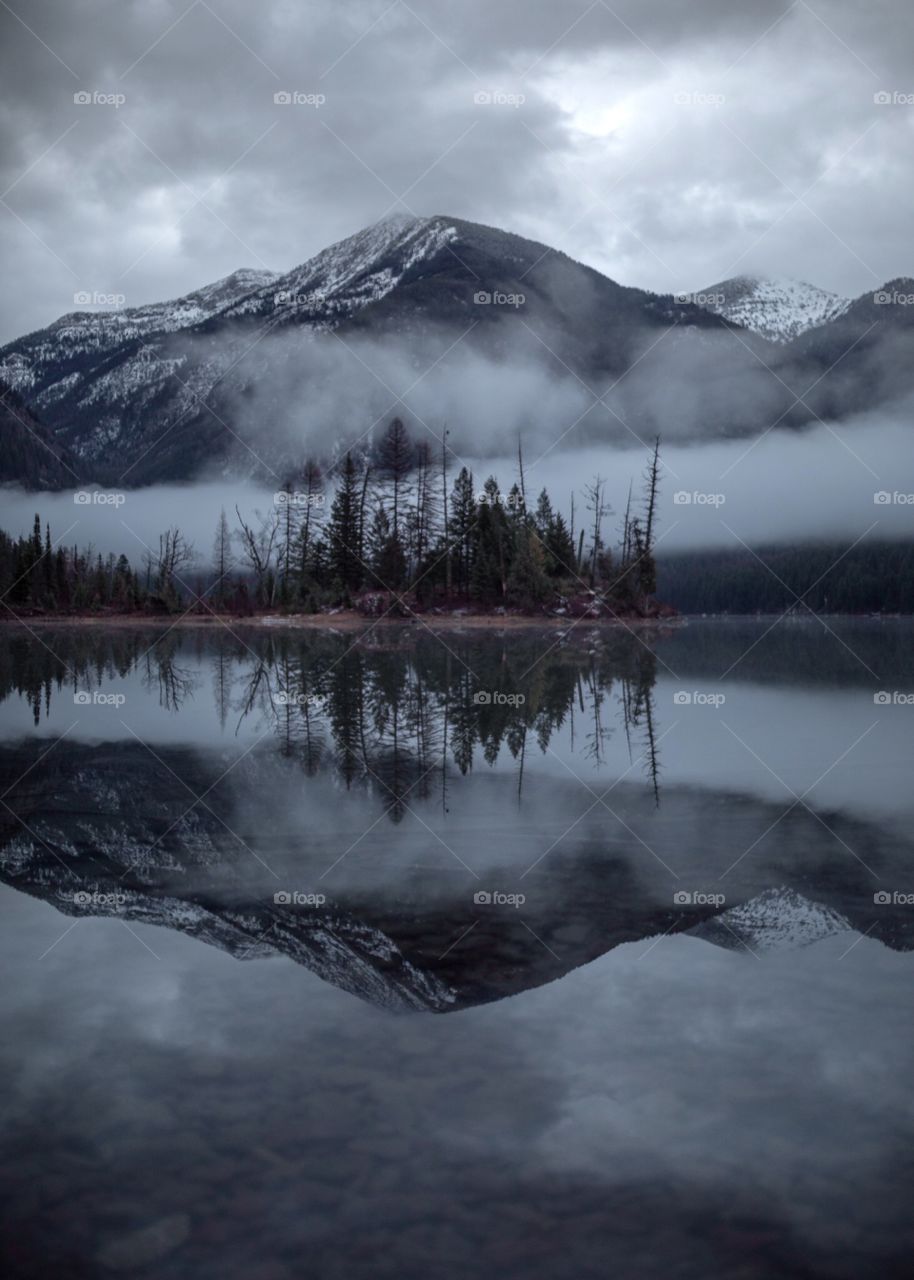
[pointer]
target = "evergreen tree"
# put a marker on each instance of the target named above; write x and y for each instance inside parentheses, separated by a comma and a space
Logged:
(461, 528)
(223, 559)
(527, 582)
(395, 464)
(344, 532)
(492, 547)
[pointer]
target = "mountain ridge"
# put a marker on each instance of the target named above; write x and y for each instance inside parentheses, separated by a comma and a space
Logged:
(779, 309)
(176, 388)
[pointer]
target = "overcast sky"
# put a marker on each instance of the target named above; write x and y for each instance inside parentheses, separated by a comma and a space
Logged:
(669, 145)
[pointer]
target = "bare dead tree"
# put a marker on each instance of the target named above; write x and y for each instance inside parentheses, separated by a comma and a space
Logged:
(652, 485)
(289, 524)
(311, 516)
(175, 553)
(422, 513)
(258, 546)
(597, 504)
(448, 566)
(362, 526)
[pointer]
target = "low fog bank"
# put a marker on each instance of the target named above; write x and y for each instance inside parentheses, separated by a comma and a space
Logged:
(494, 372)
(780, 488)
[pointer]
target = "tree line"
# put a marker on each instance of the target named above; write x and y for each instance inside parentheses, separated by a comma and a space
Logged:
(388, 530)
(872, 577)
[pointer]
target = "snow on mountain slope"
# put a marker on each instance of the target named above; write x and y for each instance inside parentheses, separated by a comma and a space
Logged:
(93, 334)
(348, 275)
(165, 392)
(777, 918)
(69, 359)
(779, 310)
(349, 953)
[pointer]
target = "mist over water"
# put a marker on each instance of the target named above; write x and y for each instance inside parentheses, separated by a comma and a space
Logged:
(784, 487)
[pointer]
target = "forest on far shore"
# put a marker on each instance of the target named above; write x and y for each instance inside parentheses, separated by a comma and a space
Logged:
(389, 532)
(872, 577)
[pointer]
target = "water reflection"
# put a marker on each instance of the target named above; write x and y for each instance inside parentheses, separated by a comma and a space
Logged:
(521, 772)
(384, 712)
(688, 1088)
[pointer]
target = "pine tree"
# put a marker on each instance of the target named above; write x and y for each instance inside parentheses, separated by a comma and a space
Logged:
(344, 534)
(527, 583)
(561, 548)
(223, 560)
(396, 459)
(492, 547)
(461, 527)
(385, 554)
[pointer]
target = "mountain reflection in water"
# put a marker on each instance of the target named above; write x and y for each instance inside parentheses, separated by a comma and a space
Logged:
(660, 883)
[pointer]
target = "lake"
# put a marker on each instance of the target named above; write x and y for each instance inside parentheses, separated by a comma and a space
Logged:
(537, 953)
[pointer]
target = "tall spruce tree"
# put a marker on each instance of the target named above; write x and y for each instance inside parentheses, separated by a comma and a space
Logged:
(344, 533)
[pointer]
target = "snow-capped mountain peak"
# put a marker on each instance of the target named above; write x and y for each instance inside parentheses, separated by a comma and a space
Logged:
(775, 919)
(98, 327)
(177, 313)
(354, 272)
(777, 309)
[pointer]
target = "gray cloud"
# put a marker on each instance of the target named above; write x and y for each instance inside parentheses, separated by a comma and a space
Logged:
(666, 146)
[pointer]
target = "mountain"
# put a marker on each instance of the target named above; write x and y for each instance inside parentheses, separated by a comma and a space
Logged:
(83, 340)
(776, 919)
(101, 829)
(169, 389)
(778, 310)
(30, 455)
(501, 334)
(73, 361)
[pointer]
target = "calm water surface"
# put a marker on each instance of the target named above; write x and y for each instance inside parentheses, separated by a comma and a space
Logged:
(538, 955)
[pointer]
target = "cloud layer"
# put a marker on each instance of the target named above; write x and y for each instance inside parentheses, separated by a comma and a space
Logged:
(668, 147)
